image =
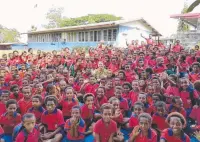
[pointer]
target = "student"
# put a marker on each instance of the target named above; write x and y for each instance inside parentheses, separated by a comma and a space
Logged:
(177, 106)
(100, 98)
(16, 94)
(183, 66)
(25, 103)
(9, 119)
(37, 108)
(160, 67)
(175, 133)
(135, 91)
(53, 119)
(105, 129)
(30, 132)
(4, 98)
(143, 132)
(142, 97)
(158, 119)
(75, 126)
(194, 75)
(138, 108)
(68, 102)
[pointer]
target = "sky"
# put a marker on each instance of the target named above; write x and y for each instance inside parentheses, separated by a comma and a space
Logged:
(21, 14)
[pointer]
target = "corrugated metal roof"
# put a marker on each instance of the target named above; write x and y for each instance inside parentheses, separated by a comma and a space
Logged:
(94, 26)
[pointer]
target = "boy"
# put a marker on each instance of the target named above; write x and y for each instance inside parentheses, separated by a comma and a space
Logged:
(15, 93)
(105, 129)
(91, 86)
(37, 108)
(142, 97)
(194, 75)
(25, 103)
(53, 119)
(30, 133)
(75, 126)
(4, 98)
(10, 119)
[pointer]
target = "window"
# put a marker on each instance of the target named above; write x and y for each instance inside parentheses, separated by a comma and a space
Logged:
(79, 36)
(86, 36)
(109, 35)
(91, 36)
(95, 35)
(99, 35)
(82, 36)
(105, 35)
(74, 36)
(114, 35)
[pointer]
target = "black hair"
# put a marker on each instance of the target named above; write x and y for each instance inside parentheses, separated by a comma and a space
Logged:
(160, 104)
(176, 114)
(145, 115)
(77, 107)
(137, 104)
(51, 98)
(13, 87)
(11, 101)
(86, 96)
(27, 116)
(128, 84)
(38, 97)
(196, 63)
(106, 106)
(29, 49)
(149, 70)
(174, 98)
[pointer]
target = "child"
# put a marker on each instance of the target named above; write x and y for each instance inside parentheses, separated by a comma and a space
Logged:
(53, 119)
(10, 119)
(37, 108)
(175, 133)
(75, 126)
(91, 86)
(158, 119)
(160, 67)
(25, 103)
(68, 102)
(109, 89)
(138, 108)
(143, 131)
(15, 93)
(135, 91)
(183, 67)
(40, 90)
(100, 98)
(105, 129)
(30, 133)
(177, 106)
(4, 98)
(194, 75)
(142, 97)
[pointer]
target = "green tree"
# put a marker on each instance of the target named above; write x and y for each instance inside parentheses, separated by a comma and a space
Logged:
(193, 6)
(8, 35)
(54, 17)
(89, 19)
(182, 26)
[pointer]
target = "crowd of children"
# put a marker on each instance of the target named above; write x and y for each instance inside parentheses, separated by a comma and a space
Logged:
(142, 93)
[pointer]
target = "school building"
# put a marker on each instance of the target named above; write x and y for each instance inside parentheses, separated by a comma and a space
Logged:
(89, 35)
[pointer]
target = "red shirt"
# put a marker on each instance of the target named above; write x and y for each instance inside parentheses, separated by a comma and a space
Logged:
(171, 108)
(24, 106)
(30, 137)
(119, 119)
(185, 96)
(37, 112)
(177, 48)
(133, 121)
(160, 121)
(104, 131)
(151, 137)
(152, 62)
(81, 130)
(17, 98)
(91, 88)
(114, 68)
(53, 120)
(134, 97)
(194, 77)
(172, 90)
(8, 123)
(159, 69)
(67, 106)
(191, 60)
(195, 114)
(184, 67)
(87, 113)
(109, 93)
(123, 104)
(167, 135)
(98, 103)
(3, 108)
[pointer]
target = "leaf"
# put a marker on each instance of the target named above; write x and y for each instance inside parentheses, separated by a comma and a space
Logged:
(193, 6)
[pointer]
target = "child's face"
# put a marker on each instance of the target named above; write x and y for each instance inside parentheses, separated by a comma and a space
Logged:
(195, 68)
(71, 81)
(106, 115)
(69, 94)
(144, 124)
(135, 86)
(36, 102)
(115, 104)
(100, 92)
(50, 106)
(184, 83)
(137, 110)
(155, 99)
(117, 81)
(11, 109)
(118, 92)
(92, 80)
(89, 101)
(142, 98)
(27, 93)
(121, 75)
(126, 89)
(109, 84)
(150, 90)
(29, 123)
(76, 113)
(155, 82)
(160, 110)
(63, 85)
(25, 83)
(16, 91)
(176, 125)
(4, 97)
(39, 87)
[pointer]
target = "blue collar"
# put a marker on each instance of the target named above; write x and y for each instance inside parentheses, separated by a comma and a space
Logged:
(40, 109)
(14, 115)
(54, 112)
(183, 136)
(81, 122)
(165, 116)
(149, 136)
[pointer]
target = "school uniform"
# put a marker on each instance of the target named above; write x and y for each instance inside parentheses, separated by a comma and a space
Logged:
(37, 112)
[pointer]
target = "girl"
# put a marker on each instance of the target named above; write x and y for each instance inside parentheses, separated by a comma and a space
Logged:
(100, 98)
(109, 89)
(183, 67)
(68, 102)
(135, 91)
(175, 133)
(143, 131)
